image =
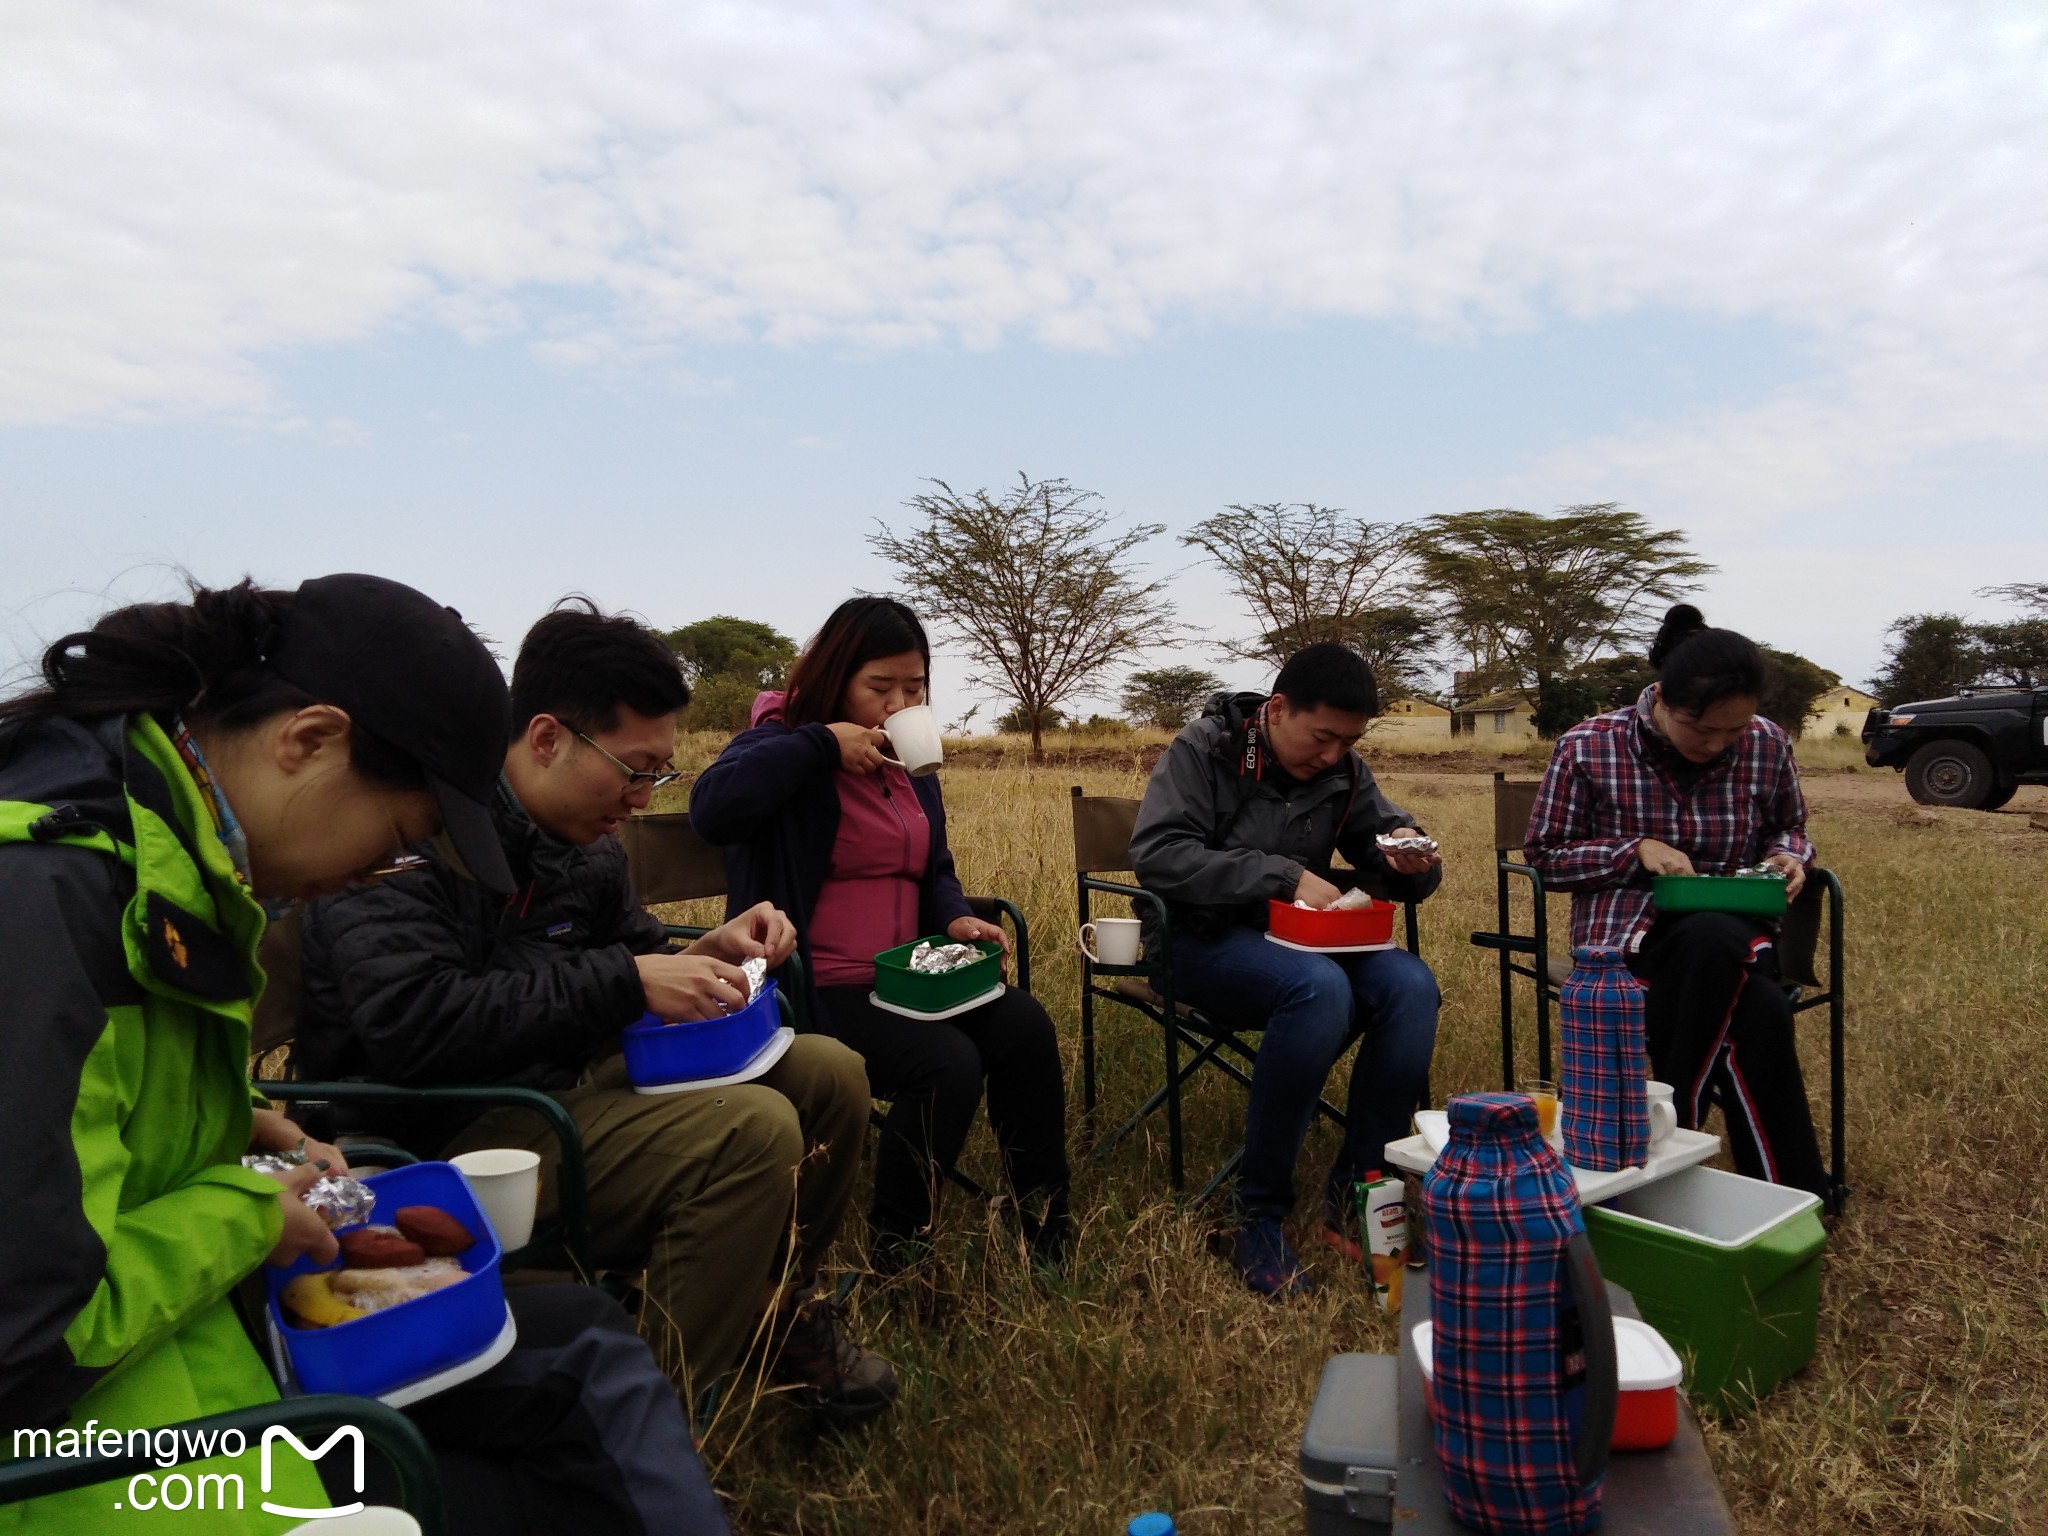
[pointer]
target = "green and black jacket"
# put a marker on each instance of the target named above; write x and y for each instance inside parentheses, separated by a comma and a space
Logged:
(127, 974)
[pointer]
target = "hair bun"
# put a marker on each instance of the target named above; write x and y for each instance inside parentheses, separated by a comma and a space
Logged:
(1680, 625)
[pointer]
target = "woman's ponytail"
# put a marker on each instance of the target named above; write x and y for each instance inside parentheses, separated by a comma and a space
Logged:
(202, 659)
(1698, 667)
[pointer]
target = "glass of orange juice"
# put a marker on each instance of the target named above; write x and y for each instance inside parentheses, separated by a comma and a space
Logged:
(1544, 1092)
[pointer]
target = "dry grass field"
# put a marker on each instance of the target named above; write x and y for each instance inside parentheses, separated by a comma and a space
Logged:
(1147, 1379)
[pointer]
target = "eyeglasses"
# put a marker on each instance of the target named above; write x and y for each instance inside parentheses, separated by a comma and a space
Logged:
(635, 777)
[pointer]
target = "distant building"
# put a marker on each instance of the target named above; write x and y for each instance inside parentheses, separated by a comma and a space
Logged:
(1497, 718)
(1413, 719)
(1839, 709)
(1414, 707)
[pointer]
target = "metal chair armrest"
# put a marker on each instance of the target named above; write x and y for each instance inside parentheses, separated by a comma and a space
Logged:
(996, 909)
(395, 1437)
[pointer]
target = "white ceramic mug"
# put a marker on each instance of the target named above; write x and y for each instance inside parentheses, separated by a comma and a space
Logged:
(1663, 1113)
(914, 733)
(506, 1183)
(1115, 937)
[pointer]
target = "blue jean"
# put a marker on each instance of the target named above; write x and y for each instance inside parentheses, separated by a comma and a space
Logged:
(1306, 1004)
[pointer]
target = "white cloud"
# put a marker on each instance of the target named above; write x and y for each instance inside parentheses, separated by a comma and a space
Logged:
(191, 188)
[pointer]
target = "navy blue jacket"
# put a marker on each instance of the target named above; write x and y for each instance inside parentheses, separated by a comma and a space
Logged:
(771, 801)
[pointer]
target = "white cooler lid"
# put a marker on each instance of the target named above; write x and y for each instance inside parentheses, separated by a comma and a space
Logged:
(1644, 1362)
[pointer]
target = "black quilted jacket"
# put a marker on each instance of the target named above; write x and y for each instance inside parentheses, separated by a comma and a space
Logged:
(429, 979)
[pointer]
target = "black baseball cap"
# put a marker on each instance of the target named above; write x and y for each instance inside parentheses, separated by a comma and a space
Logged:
(412, 674)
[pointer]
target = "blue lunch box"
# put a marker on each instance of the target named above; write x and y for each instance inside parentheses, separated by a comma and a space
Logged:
(415, 1339)
(658, 1053)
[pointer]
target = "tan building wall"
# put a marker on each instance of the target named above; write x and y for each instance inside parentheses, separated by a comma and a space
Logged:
(1836, 708)
(1499, 721)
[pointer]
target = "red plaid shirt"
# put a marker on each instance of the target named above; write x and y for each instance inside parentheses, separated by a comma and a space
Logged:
(1615, 780)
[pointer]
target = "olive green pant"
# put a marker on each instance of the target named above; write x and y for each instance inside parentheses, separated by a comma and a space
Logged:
(697, 1187)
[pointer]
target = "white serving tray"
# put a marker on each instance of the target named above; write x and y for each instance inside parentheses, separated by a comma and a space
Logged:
(1329, 949)
(413, 1391)
(769, 1054)
(1681, 1149)
(972, 1003)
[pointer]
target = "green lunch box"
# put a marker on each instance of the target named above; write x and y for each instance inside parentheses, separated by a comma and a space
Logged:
(1752, 895)
(922, 992)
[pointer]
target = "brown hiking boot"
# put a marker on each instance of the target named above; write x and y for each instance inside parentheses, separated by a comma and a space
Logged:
(833, 1375)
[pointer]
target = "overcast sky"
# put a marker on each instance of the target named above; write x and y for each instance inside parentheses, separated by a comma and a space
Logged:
(668, 303)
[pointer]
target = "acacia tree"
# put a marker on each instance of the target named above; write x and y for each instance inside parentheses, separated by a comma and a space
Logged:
(1540, 597)
(1931, 655)
(1034, 583)
(1167, 697)
(1310, 573)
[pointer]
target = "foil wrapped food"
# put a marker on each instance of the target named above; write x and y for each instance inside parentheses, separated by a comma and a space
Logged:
(338, 1200)
(1350, 901)
(1761, 872)
(936, 959)
(757, 973)
(1394, 842)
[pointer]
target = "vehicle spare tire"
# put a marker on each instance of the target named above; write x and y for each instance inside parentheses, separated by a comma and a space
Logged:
(1953, 773)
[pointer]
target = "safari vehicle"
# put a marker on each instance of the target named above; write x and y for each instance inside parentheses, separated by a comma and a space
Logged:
(1972, 751)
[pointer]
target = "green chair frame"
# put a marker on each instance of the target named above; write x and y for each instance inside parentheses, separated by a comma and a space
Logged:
(389, 1432)
(1102, 838)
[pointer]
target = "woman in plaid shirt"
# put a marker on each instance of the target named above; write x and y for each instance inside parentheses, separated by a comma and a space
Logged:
(1690, 780)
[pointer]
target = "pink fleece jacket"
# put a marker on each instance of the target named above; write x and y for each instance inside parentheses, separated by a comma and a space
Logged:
(870, 898)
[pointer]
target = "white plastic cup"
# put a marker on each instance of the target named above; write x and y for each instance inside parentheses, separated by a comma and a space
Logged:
(914, 733)
(1116, 939)
(506, 1183)
(1663, 1112)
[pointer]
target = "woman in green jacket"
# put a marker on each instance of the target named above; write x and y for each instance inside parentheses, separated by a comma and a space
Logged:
(181, 765)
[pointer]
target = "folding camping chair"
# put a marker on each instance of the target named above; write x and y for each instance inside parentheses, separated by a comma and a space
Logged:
(1102, 843)
(1527, 954)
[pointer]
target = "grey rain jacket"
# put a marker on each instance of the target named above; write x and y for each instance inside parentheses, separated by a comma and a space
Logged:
(1217, 843)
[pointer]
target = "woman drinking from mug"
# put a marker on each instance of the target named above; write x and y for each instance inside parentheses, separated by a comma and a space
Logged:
(815, 817)
(180, 765)
(1691, 780)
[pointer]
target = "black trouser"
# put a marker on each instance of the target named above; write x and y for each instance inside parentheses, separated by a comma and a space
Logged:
(576, 1430)
(1719, 1028)
(931, 1073)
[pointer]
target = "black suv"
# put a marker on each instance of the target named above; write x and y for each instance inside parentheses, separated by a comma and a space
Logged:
(1972, 751)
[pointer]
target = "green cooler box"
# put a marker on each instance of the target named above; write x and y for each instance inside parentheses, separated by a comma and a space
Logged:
(1726, 1268)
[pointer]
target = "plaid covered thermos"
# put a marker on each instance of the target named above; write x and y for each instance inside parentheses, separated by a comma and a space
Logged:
(1603, 1073)
(1524, 1340)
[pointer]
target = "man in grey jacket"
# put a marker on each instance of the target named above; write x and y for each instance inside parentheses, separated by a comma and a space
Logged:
(1248, 805)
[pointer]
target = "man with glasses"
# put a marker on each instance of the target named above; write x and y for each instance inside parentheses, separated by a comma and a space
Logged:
(419, 979)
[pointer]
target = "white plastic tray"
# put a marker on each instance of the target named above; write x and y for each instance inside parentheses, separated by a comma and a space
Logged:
(1328, 949)
(413, 1391)
(766, 1057)
(1681, 1149)
(957, 1009)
